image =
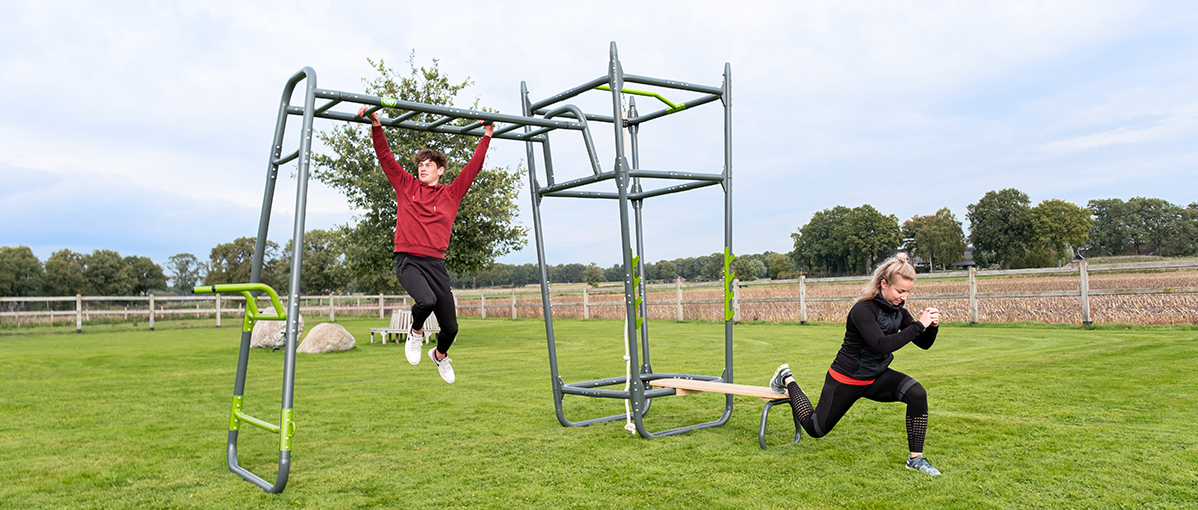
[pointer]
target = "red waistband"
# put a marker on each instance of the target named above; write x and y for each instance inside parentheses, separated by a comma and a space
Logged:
(848, 380)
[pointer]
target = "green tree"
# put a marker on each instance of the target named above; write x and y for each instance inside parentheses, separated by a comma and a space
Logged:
(147, 275)
(21, 273)
(232, 262)
(937, 237)
(1001, 222)
(816, 245)
(485, 227)
(322, 269)
(1109, 234)
(64, 274)
(868, 235)
(744, 269)
(779, 267)
(186, 271)
(666, 270)
(1059, 226)
(108, 274)
(593, 274)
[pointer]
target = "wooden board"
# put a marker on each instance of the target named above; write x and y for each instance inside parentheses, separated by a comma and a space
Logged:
(689, 386)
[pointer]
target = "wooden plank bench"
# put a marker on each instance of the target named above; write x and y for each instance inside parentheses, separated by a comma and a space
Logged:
(401, 324)
(685, 387)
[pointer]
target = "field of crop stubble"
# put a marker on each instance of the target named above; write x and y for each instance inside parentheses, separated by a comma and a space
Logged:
(1158, 309)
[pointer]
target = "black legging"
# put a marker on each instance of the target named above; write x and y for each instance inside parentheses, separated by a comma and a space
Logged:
(427, 281)
(837, 397)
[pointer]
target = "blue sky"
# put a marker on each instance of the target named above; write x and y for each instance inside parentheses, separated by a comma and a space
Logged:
(144, 127)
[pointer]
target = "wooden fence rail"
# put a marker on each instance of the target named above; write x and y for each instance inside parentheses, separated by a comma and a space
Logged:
(486, 303)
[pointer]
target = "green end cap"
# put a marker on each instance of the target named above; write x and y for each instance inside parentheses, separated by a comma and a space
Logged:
(234, 423)
(389, 102)
(286, 431)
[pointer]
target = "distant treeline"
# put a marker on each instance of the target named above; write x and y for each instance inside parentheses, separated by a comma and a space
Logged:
(1005, 230)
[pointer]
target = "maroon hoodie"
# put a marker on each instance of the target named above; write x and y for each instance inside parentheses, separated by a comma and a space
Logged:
(424, 214)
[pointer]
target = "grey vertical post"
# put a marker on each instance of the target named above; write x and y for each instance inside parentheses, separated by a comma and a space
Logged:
(802, 299)
(381, 311)
(539, 235)
(1085, 287)
(151, 312)
(483, 305)
(678, 287)
(217, 295)
(973, 295)
(332, 316)
(586, 304)
(726, 99)
(78, 313)
(633, 130)
(636, 388)
(513, 304)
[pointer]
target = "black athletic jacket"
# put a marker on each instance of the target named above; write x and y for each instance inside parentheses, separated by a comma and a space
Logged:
(873, 331)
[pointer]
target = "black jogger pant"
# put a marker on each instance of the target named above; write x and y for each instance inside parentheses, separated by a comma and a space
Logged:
(427, 281)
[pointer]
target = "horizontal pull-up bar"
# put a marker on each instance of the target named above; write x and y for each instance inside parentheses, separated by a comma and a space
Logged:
(672, 107)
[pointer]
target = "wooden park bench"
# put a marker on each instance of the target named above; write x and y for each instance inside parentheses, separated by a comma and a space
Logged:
(688, 386)
(401, 324)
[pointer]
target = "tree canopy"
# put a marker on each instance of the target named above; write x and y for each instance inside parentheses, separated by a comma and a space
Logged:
(1001, 223)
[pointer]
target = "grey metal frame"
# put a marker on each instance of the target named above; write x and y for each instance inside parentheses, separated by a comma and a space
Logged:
(630, 194)
(538, 121)
(309, 112)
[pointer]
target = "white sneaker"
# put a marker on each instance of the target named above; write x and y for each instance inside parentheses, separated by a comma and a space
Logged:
(442, 366)
(412, 347)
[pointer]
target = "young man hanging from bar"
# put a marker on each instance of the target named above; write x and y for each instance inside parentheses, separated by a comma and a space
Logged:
(424, 219)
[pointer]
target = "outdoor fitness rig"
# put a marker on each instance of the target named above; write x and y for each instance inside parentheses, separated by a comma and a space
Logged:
(537, 122)
(629, 192)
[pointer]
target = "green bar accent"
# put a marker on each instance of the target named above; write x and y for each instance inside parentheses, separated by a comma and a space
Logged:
(234, 423)
(389, 102)
(728, 257)
(256, 422)
(252, 314)
(287, 431)
(672, 107)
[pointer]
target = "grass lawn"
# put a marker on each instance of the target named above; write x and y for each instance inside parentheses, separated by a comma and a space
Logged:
(1021, 417)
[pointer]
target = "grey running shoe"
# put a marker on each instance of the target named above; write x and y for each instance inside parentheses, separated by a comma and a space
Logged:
(919, 463)
(778, 382)
(412, 347)
(443, 366)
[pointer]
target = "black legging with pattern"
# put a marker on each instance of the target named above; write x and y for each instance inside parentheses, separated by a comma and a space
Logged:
(837, 397)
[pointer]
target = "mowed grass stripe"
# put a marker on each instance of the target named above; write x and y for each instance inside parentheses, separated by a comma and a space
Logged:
(1021, 417)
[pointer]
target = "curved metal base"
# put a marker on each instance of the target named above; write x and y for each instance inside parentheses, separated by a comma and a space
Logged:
(765, 414)
(280, 479)
(589, 389)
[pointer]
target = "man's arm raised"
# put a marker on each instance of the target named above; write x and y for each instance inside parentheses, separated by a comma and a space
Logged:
(382, 150)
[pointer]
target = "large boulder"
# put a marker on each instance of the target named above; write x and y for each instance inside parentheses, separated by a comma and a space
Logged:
(327, 337)
(272, 334)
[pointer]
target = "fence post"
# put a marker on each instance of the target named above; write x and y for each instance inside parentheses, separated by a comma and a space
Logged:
(331, 306)
(483, 305)
(973, 295)
(678, 285)
(586, 310)
(1085, 283)
(802, 299)
(217, 309)
(513, 304)
(736, 300)
(151, 312)
(78, 313)
(381, 305)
